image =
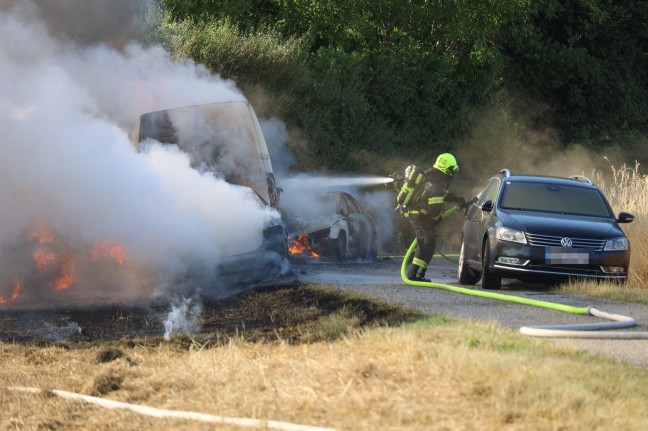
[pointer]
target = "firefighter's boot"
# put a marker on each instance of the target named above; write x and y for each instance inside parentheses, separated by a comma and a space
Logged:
(421, 274)
(416, 273)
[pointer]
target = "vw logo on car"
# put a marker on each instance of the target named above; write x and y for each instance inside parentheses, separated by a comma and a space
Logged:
(566, 242)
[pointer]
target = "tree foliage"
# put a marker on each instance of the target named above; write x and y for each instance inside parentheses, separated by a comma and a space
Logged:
(405, 77)
(589, 61)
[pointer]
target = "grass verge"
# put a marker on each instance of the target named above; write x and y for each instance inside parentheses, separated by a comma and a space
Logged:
(608, 290)
(314, 355)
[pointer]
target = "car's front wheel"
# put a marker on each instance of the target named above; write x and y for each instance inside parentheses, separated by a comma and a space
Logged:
(490, 281)
(465, 275)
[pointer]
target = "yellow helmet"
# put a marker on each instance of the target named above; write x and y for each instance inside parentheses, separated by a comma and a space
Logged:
(447, 164)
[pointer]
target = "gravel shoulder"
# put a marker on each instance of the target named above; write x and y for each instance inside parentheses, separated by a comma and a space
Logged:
(382, 280)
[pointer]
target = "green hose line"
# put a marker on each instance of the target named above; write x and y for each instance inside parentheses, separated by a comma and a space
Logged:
(589, 330)
(492, 295)
(449, 212)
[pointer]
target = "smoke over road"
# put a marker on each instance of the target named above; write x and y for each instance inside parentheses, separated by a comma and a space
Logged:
(69, 170)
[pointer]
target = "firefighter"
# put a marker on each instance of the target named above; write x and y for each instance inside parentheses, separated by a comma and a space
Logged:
(404, 235)
(427, 212)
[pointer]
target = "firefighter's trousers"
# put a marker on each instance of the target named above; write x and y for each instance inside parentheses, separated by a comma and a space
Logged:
(425, 229)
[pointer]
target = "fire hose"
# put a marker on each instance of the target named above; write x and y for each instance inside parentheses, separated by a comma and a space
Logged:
(589, 330)
(171, 414)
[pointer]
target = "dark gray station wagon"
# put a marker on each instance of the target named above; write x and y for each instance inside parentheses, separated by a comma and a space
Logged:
(542, 229)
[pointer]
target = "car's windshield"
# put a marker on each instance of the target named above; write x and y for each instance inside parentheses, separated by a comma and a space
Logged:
(555, 198)
(309, 205)
(324, 205)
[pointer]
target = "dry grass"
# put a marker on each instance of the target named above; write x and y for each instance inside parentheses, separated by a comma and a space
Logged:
(627, 190)
(607, 289)
(435, 374)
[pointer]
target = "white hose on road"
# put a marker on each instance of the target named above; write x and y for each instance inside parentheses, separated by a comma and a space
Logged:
(173, 414)
(589, 330)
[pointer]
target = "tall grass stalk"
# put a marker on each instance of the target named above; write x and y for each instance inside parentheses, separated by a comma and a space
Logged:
(627, 190)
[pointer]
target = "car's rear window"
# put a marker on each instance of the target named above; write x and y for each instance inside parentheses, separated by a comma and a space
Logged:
(553, 198)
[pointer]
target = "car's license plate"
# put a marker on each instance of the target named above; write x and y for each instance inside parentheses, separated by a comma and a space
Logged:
(566, 256)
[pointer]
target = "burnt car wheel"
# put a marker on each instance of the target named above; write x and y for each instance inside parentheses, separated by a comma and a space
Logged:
(342, 249)
(465, 275)
(373, 250)
(364, 249)
(490, 281)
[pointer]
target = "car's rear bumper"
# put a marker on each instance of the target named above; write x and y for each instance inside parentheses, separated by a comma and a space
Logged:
(525, 261)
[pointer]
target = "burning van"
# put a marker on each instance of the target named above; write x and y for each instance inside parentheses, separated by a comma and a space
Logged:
(223, 137)
(226, 139)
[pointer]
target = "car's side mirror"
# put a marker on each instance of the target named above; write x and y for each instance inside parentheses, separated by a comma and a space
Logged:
(625, 217)
(487, 206)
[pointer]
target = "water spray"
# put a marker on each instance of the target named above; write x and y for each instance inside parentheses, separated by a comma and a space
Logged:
(323, 182)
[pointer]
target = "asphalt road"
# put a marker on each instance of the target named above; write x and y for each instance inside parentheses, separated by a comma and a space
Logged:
(382, 279)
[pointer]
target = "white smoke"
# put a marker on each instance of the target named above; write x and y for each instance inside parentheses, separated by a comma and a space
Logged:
(67, 162)
(276, 136)
(183, 318)
(302, 193)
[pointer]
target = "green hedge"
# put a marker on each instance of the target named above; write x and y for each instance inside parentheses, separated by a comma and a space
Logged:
(405, 79)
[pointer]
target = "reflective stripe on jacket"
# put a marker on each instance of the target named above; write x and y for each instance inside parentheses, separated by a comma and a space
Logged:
(431, 203)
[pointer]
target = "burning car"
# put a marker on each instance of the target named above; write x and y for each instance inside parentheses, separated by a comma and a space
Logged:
(226, 139)
(331, 224)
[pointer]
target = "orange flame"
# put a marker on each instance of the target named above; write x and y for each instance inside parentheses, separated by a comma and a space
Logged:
(64, 264)
(46, 256)
(299, 245)
(43, 257)
(42, 234)
(65, 277)
(16, 292)
(111, 248)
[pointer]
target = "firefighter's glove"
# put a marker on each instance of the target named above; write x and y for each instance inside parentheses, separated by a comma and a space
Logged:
(395, 176)
(466, 204)
(398, 181)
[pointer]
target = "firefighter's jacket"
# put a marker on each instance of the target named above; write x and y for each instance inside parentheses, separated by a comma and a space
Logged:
(431, 203)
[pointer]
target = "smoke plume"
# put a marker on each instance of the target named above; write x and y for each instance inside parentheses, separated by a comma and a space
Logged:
(75, 193)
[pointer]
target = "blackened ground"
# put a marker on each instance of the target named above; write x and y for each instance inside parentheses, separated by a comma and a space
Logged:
(360, 295)
(294, 313)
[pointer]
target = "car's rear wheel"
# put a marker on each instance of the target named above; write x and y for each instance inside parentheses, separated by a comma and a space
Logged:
(362, 248)
(342, 248)
(465, 275)
(373, 250)
(490, 281)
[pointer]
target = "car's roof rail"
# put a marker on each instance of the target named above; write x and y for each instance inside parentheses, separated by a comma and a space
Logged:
(581, 178)
(505, 172)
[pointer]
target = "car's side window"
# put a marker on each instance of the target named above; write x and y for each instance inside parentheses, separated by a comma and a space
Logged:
(353, 207)
(344, 207)
(489, 192)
